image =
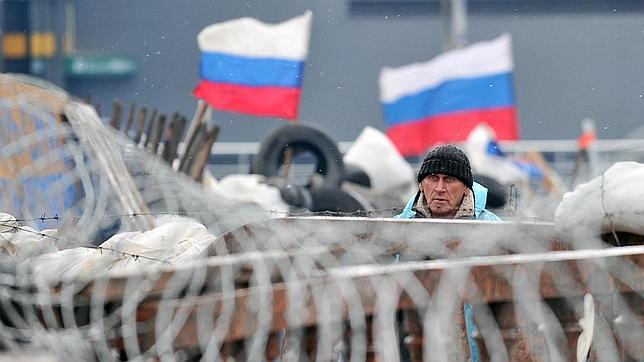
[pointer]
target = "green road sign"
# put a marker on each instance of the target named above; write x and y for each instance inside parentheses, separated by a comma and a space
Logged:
(100, 65)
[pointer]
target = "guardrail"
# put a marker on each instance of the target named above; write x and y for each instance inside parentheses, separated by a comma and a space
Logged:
(560, 145)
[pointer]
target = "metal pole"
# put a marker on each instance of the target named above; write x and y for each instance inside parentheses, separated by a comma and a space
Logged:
(454, 15)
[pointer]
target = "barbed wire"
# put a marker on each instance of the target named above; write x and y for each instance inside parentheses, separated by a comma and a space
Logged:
(317, 290)
(364, 213)
(136, 257)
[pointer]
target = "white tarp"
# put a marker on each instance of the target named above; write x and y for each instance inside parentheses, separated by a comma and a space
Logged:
(248, 188)
(611, 201)
(503, 169)
(374, 153)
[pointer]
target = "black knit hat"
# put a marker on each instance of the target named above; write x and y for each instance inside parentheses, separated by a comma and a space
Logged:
(448, 160)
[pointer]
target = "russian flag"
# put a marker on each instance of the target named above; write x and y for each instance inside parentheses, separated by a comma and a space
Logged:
(442, 100)
(251, 67)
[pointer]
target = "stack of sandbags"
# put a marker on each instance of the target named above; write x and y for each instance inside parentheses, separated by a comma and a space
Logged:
(177, 241)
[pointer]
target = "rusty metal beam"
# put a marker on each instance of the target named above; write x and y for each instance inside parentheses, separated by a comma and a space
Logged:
(490, 285)
(410, 237)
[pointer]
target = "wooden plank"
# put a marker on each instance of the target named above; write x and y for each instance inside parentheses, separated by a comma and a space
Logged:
(192, 148)
(201, 158)
(152, 144)
(175, 134)
(130, 118)
(243, 324)
(390, 236)
(413, 239)
(117, 114)
(237, 266)
(193, 131)
(141, 121)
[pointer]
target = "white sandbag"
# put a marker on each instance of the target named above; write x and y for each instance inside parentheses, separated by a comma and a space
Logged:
(240, 189)
(611, 201)
(171, 243)
(7, 223)
(22, 241)
(374, 153)
(253, 188)
(172, 218)
(210, 183)
(54, 266)
(97, 261)
(32, 242)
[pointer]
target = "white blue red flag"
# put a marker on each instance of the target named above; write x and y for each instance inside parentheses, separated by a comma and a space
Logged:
(251, 67)
(442, 100)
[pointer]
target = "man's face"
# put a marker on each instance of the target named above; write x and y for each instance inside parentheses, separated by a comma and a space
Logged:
(443, 193)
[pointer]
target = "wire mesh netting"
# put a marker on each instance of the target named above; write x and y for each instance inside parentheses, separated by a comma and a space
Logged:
(111, 254)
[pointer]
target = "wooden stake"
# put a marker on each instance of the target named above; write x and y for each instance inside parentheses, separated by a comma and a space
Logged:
(197, 120)
(203, 154)
(130, 118)
(155, 137)
(140, 124)
(192, 149)
(175, 133)
(117, 114)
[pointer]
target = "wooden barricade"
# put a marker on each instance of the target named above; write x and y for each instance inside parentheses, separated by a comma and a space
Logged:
(226, 288)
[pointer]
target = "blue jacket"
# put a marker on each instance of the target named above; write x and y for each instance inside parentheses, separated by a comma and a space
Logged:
(480, 198)
(480, 213)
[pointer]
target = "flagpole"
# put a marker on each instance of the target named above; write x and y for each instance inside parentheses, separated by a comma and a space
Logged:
(204, 148)
(193, 128)
(454, 14)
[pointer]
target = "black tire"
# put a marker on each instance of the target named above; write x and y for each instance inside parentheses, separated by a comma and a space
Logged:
(497, 196)
(335, 200)
(356, 175)
(300, 138)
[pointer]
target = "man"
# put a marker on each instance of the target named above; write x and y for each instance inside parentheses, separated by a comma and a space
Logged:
(446, 189)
